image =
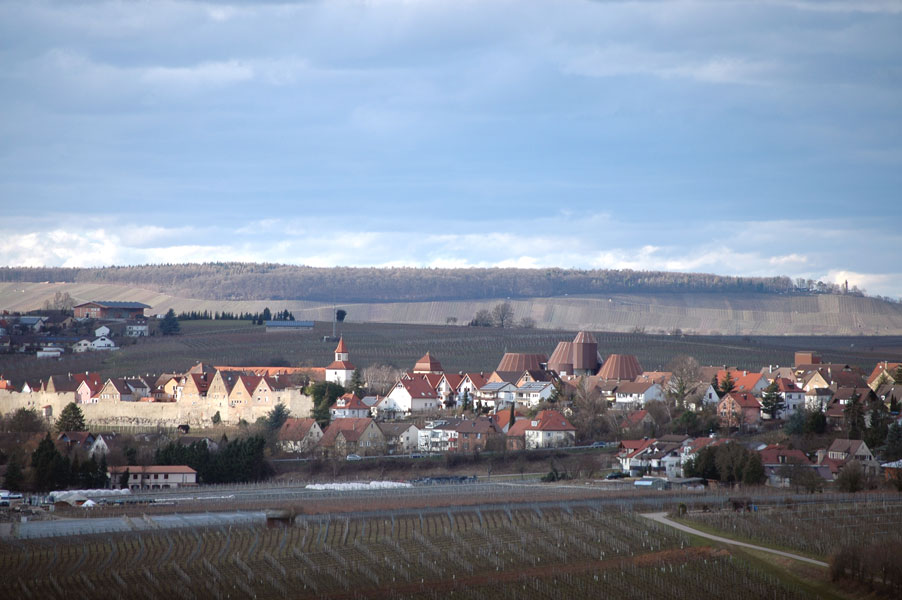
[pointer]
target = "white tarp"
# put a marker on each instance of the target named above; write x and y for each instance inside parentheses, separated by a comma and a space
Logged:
(346, 487)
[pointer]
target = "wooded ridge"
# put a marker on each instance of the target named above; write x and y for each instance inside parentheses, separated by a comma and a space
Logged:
(266, 281)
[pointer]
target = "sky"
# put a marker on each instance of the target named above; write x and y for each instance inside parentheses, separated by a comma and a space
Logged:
(741, 138)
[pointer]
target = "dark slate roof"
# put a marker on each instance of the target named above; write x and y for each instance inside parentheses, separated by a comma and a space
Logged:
(116, 304)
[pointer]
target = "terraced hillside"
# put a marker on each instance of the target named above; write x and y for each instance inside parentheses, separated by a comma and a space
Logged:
(698, 313)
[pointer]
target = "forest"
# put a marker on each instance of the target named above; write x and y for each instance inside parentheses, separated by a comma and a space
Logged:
(266, 281)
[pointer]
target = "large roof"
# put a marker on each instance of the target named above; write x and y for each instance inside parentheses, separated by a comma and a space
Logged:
(115, 304)
(515, 361)
(295, 430)
(620, 367)
(428, 364)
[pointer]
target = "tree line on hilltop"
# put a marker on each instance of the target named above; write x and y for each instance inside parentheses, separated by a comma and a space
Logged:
(253, 281)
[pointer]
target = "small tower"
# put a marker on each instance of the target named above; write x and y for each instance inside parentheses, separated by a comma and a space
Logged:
(341, 371)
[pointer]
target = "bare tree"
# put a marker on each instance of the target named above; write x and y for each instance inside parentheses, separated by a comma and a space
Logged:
(590, 412)
(379, 379)
(685, 378)
(503, 314)
(528, 323)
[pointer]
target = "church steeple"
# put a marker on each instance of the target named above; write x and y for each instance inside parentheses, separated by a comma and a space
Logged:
(341, 351)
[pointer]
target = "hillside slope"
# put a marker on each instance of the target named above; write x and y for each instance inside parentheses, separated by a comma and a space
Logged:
(701, 313)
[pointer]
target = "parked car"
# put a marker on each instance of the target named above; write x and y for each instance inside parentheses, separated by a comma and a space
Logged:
(353, 457)
(616, 475)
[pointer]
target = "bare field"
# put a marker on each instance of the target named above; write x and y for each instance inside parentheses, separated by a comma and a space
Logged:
(704, 314)
(457, 347)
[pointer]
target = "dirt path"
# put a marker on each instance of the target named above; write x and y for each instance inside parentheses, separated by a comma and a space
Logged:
(661, 517)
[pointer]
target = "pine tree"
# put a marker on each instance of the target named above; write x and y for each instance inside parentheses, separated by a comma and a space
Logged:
(893, 449)
(771, 402)
(897, 376)
(357, 382)
(123, 479)
(727, 385)
(854, 416)
(15, 478)
(170, 324)
(753, 471)
(70, 419)
(276, 417)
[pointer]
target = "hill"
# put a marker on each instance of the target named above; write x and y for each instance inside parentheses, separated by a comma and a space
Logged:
(747, 313)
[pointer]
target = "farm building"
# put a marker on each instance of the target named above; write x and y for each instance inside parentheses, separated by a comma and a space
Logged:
(108, 309)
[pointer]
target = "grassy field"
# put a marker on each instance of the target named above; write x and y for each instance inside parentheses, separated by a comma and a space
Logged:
(547, 552)
(697, 313)
(457, 347)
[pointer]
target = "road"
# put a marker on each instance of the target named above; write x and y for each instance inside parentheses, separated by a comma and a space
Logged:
(661, 517)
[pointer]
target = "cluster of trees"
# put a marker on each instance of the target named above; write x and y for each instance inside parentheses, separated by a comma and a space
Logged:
(324, 394)
(730, 463)
(61, 301)
(875, 566)
(251, 281)
(236, 461)
(50, 470)
(258, 317)
(502, 315)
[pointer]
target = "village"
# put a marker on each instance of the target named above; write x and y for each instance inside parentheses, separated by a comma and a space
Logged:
(667, 426)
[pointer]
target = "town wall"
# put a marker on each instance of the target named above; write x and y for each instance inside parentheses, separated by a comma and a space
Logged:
(149, 414)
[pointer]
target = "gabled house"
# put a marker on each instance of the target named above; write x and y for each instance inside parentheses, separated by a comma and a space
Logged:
(299, 435)
(88, 389)
(76, 439)
(710, 397)
(400, 438)
(792, 395)
(883, 373)
(534, 393)
(548, 429)
(739, 409)
(817, 399)
(349, 406)
(637, 420)
(777, 461)
(438, 435)
(632, 394)
(474, 435)
(631, 449)
(352, 436)
(409, 396)
(497, 394)
(843, 451)
(116, 390)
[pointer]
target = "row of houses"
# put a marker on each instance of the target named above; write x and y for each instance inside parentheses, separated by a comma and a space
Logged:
(364, 436)
(668, 455)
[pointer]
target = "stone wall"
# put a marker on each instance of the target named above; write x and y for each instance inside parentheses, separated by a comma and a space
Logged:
(167, 414)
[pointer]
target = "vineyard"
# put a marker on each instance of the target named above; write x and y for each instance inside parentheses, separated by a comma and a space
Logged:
(562, 551)
(815, 529)
(458, 348)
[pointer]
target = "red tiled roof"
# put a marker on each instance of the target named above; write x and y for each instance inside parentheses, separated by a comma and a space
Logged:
(549, 420)
(882, 367)
(744, 399)
(427, 363)
(341, 347)
(771, 455)
(351, 429)
(634, 419)
(419, 388)
(350, 402)
(624, 367)
(139, 470)
(295, 430)
(341, 365)
(787, 385)
(516, 361)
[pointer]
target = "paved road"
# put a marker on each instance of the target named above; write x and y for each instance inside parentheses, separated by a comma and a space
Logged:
(661, 517)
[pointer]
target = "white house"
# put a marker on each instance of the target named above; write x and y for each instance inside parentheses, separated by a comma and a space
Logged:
(497, 394)
(349, 406)
(81, 346)
(102, 331)
(534, 393)
(50, 352)
(136, 330)
(410, 396)
(792, 395)
(154, 477)
(341, 370)
(437, 436)
(632, 393)
(710, 397)
(548, 429)
(103, 343)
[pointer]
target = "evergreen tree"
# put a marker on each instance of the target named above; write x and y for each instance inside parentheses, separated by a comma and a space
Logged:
(465, 402)
(854, 416)
(14, 480)
(753, 471)
(131, 456)
(897, 375)
(123, 479)
(894, 405)
(49, 468)
(875, 435)
(216, 419)
(71, 419)
(357, 383)
(276, 417)
(267, 315)
(771, 402)
(727, 385)
(893, 449)
(816, 422)
(170, 324)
